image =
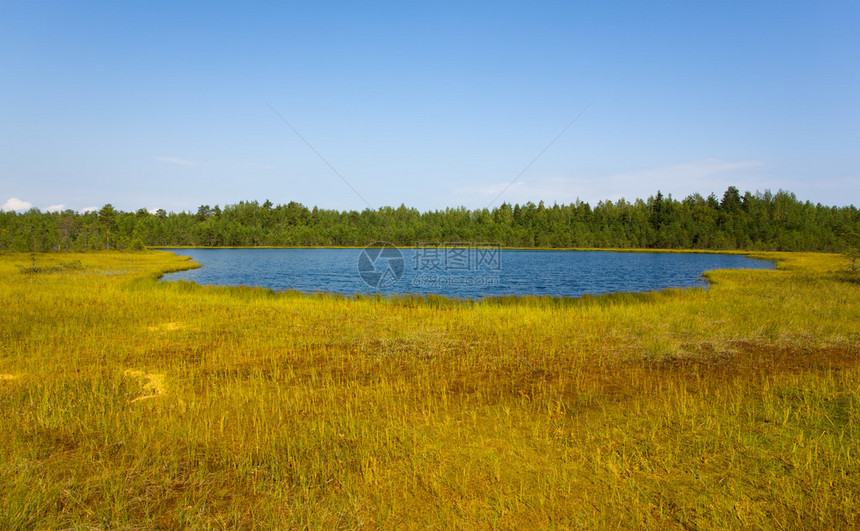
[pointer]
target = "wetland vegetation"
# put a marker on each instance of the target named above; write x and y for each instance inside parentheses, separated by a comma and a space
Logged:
(131, 403)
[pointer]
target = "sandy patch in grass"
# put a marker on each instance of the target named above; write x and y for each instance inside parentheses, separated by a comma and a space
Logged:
(153, 384)
(167, 327)
(9, 377)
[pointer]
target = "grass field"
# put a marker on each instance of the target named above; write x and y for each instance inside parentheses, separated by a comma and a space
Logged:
(128, 403)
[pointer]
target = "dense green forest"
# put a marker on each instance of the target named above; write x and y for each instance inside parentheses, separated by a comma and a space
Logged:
(763, 220)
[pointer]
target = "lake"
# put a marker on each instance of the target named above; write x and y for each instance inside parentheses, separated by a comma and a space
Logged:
(463, 272)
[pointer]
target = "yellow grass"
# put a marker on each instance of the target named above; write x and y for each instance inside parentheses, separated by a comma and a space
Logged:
(153, 384)
(130, 403)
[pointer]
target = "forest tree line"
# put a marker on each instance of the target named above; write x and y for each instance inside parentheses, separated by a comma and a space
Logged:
(760, 221)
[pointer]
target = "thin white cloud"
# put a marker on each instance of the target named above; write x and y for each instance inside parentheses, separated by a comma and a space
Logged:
(218, 163)
(838, 192)
(88, 209)
(16, 205)
(491, 191)
(255, 166)
(55, 208)
(180, 162)
(698, 169)
(700, 176)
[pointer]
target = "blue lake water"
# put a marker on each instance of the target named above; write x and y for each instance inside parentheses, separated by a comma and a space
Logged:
(473, 273)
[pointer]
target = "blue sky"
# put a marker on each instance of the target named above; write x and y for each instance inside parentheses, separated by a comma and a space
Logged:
(431, 104)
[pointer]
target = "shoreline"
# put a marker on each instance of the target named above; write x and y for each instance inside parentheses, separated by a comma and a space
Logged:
(428, 297)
